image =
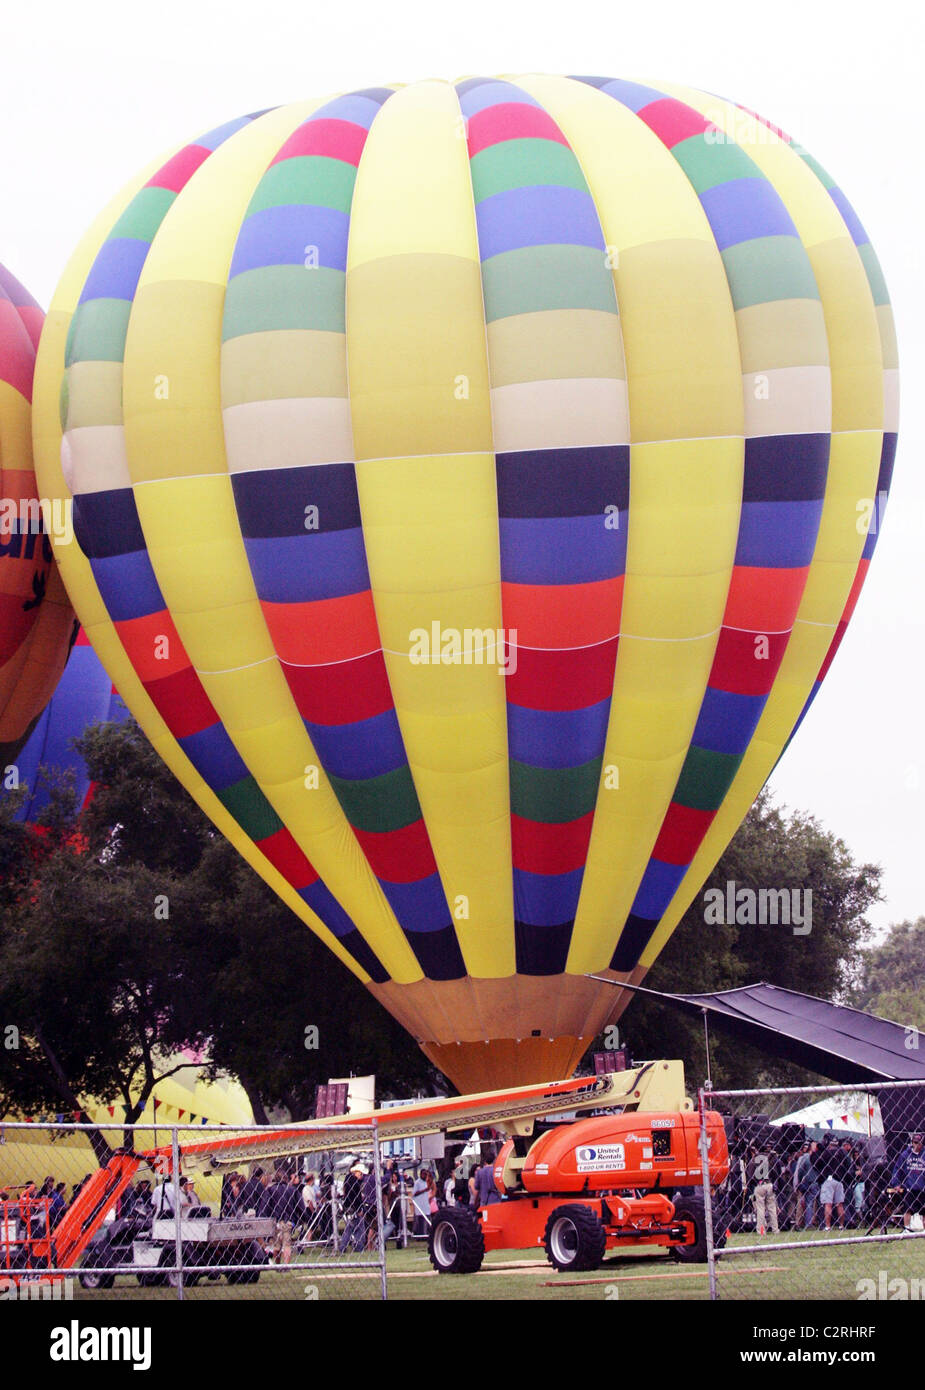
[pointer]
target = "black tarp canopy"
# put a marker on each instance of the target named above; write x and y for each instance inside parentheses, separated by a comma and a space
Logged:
(832, 1039)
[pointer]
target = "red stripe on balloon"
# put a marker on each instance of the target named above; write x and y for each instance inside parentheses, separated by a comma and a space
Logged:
(182, 703)
(343, 692)
(284, 854)
(540, 848)
(563, 615)
(17, 355)
(830, 654)
(398, 856)
(682, 831)
(747, 662)
(562, 680)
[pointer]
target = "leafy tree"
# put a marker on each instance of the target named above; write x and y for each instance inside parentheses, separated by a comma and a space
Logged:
(135, 929)
(770, 850)
(891, 980)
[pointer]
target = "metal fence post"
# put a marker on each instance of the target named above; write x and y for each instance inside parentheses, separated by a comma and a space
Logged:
(178, 1234)
(380, 1222)
(707, 1193)
(335, 1240)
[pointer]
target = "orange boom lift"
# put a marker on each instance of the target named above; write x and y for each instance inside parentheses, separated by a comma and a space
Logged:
(578, 1186)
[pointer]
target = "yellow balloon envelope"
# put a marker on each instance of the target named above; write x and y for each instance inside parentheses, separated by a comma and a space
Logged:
(471, 485)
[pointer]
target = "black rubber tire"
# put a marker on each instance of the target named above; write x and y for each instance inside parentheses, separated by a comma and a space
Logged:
(455, 1244)
(96, 1281)
(575, 1238)
(688, 1208)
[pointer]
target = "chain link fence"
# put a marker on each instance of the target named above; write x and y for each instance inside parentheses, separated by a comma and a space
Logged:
(167, 1212)
(825, 1196)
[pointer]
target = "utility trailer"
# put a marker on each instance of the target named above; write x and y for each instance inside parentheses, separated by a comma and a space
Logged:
(148, 1245)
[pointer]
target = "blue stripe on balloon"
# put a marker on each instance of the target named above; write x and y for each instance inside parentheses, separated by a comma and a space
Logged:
(852, 221)
(786, 467)
(546, 900)
(887, 459)
(560, 550)
(107, 523)
(321, 900)
(354, 107)
(727, 720)
(213, 138)
(116, 270)
(557, 738)
(127, 586)
(291, 569)
(537, 216)
(272, 501)
(579, 481)
(778, 535)
(420, 906)
(631, 94)
(365, 748)
(659, 884)
(743, 209)
(476, 95)
(214, 757)
(286, 235)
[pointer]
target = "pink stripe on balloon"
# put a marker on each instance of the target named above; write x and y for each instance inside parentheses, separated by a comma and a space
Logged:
(332, 138)
(511, 120)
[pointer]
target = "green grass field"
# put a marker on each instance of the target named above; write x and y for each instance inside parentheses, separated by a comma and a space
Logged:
(819, 1271)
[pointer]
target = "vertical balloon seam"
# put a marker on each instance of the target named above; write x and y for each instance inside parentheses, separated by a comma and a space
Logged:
(358, 745)
(108, 526)
(422, 447)
(784, 478)
(721, 832)
(703, 443)
(553, 534)
(216, 653)
(50, 447)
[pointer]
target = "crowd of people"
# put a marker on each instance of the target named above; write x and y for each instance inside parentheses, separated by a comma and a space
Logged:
(828, 1184)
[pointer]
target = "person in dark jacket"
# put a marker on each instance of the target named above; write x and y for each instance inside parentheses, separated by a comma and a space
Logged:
(355, 1230)
(908, 1178)
(277, 1202)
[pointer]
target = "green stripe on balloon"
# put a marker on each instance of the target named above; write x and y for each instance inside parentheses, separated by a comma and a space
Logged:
(768, 268)
(378, 804)
(284, 297)
(554, 796)
(534, 278)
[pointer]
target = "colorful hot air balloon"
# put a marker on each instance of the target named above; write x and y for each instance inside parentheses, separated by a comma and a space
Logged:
(84, 695)
(36, 620)
(470, 483)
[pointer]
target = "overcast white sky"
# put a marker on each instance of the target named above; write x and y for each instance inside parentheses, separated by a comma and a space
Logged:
(89, 92)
